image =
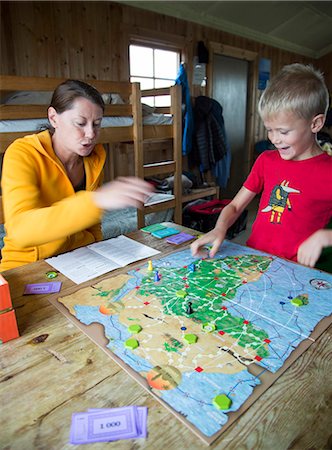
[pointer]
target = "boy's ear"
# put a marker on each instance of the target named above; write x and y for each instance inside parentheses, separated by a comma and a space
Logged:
(317, 123)
(52, 116)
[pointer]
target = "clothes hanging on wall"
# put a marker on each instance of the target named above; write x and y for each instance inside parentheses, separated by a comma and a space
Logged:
(211, 150)
(187, 112)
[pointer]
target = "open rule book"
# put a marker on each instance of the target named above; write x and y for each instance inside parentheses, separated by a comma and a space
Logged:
(89, 262)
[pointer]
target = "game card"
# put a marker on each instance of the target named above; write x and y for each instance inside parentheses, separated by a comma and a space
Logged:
(178, 239)
(154, 227)
(160, 234)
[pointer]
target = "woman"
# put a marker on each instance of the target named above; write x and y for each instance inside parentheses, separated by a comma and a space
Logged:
(52, 188)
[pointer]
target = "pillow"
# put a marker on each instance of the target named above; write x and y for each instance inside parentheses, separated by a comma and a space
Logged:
(116, 99)
(147, 109)
(106, 98)
(29, 98)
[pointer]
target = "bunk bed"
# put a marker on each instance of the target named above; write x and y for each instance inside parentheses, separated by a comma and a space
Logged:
(23, 110)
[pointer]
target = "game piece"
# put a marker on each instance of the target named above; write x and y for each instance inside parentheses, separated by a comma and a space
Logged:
(181, 294)
(222, 402)
(156, 276)
(150, 266)
(190, 338)
(208, 327)
(154, 227)
(179, 238)
(189, 309)
(131, 343)
(135, 328)
(51, 274)
(168, 231)
(192, 267)
(296, 302)
(300, 300)
(42, 288)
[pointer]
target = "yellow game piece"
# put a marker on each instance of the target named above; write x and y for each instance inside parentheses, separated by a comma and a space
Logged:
(150, 266)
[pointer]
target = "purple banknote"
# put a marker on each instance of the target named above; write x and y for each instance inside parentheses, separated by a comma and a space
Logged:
(42, 288)
(103, 426)
(142, 415)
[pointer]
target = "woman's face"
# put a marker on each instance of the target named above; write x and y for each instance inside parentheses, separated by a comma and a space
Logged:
(77, 129)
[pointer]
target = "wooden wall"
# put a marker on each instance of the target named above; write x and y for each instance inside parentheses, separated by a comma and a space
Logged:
(90, 40)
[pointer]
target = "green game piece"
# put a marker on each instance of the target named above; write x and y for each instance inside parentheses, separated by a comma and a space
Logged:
(191, 338)
(51, 274)
(222, 402)
(297, 302)
(131, 343)
(134, 328)
(208, 327)
(181, 294)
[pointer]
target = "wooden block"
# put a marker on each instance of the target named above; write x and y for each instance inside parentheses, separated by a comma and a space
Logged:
(8, 326)
(5, 300)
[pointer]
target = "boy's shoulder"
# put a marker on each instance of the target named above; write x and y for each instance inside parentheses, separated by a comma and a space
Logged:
(268, 156)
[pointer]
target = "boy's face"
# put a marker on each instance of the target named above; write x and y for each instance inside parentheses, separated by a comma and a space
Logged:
(294, 138)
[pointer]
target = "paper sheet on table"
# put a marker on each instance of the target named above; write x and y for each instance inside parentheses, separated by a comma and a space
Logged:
(89, 262)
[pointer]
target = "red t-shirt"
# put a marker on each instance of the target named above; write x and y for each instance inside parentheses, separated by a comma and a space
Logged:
(296, 201)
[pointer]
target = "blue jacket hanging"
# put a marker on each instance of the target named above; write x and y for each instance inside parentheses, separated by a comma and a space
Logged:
(187, 117)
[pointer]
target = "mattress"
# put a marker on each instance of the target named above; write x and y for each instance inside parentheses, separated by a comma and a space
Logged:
(32, 125)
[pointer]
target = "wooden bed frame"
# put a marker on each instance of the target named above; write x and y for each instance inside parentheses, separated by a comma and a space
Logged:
(136, 133)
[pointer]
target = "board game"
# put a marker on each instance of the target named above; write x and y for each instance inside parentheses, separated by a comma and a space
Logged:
(206, 336)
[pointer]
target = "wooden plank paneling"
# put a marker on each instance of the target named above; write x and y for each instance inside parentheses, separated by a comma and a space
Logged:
(89, 40)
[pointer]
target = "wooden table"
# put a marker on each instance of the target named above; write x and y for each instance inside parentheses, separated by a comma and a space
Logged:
(42, 384)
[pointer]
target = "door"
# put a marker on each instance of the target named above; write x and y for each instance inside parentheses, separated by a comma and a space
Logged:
(230, 89)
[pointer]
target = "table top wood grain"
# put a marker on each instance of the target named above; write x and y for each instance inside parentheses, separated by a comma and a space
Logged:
(43, 383)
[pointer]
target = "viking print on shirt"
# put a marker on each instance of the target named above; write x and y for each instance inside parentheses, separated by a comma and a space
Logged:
(279, 201)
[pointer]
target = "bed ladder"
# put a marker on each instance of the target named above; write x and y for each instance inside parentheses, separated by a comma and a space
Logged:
(173, 166)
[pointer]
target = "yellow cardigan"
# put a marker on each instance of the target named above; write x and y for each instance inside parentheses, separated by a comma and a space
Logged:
(43, 214)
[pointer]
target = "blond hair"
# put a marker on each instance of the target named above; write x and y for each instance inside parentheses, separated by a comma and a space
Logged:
(297, 88)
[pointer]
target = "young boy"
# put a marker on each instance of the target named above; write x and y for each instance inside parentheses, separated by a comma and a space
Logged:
(295, 180)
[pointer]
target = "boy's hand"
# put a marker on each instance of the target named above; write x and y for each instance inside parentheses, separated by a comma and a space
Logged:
(310, 249)
(214, 237)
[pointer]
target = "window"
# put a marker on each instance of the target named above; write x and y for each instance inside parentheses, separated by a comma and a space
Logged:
(153, 68)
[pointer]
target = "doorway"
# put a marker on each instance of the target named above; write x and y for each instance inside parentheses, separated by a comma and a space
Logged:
(232, 86)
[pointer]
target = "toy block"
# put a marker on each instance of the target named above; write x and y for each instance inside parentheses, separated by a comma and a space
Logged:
(131, 344)
(8, 326)
(5, 300)
(222, 402)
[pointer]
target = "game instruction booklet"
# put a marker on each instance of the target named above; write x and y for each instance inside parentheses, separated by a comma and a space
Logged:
(89, 262)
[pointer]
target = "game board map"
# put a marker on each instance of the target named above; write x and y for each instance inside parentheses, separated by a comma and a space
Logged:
(206, 337)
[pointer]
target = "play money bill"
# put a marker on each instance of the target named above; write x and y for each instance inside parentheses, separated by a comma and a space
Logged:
(115, 424)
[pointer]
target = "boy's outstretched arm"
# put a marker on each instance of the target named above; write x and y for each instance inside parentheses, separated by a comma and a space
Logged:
(226, 219)
(310, 250)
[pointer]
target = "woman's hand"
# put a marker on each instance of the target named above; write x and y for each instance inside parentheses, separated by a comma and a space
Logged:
(123, 192)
